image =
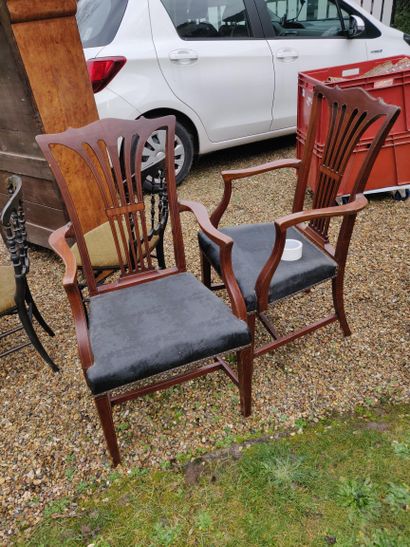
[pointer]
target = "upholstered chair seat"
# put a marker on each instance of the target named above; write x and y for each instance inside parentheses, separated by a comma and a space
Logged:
(102, 249)
(7, 288)
(253, 244)
(150, 328)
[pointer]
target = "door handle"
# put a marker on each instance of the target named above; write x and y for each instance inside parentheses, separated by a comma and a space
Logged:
(287, 55)
(183, 56)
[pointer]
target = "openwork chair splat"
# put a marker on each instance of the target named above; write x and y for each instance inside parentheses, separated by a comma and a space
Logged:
(15, 295)
(263, 277)
(149, 320)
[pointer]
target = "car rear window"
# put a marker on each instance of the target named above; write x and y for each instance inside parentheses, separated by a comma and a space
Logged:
(99, 20)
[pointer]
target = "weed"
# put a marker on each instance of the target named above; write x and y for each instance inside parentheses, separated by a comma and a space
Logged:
(383, 538)
(401, 449)
(300, 423)
(56, 507)
(69, 473)
(165, 535)
(398, 497)
(358, 495)
(204, 521)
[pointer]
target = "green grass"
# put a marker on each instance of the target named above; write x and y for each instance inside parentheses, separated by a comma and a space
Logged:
(345, 481)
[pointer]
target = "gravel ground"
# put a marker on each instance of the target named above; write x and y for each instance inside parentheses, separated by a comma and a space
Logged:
(51, 443)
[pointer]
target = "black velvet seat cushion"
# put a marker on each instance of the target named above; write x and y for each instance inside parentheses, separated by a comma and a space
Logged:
(253, 244)
(140, 331)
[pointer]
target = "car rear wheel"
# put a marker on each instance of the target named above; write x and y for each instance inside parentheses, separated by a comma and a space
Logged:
(154, 151)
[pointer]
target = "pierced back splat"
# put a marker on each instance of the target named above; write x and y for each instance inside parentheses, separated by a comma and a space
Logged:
(112, 150)
(351, 112)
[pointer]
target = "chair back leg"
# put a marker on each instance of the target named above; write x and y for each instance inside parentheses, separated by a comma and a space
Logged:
(31, 333)
(338, 302)
(205, 271)
(104, 408)
(40, 319)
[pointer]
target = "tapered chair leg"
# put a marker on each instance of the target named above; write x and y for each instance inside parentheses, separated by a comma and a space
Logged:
(245, 371)
(338, 302)
(205, 271)
(104, 409)
(31, 333)
(37, 314)
(251, 320)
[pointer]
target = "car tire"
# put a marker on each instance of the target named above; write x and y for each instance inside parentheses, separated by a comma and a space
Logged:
(183, 138)
(184, 151)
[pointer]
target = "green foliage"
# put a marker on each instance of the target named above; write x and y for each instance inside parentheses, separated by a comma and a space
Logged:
(398, 497)
(339, 482)
(401, 449)
(164, 534)
(56, 507)
(359, 495)
(402, 15)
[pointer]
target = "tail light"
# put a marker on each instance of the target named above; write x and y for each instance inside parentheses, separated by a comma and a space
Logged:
(103, 70)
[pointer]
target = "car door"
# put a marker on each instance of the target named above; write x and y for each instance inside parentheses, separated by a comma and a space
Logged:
(304, 35)
(216, 60)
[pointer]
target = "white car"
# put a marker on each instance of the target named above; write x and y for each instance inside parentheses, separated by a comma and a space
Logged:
(227, 69)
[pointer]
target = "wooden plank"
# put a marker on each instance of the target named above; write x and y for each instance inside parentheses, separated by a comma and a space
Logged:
(38, 234)
(387, 12)
(48, 217)
(367, 5)
(377, 9)
(60, 103)
(25, 165)
(41, 191)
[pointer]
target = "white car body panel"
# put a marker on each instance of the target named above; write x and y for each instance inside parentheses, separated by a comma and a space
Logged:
(235, 91)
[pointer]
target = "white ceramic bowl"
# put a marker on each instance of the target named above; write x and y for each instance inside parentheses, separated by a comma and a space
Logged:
(293, 250)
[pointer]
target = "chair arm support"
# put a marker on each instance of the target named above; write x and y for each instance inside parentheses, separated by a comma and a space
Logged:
(229, 176)
(282, 224)
(225, 244)
(58, 242)
(259, 169)
(350, 208)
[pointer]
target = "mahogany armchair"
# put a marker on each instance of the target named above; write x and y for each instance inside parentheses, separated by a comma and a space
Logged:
(265, 279)
(149, 320)
(15, 295)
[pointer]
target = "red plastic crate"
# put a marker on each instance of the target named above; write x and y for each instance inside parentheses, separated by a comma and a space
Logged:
(392, 168)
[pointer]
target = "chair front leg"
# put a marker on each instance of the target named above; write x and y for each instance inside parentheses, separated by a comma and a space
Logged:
(338, 302)
(245, 371)
(104, 408)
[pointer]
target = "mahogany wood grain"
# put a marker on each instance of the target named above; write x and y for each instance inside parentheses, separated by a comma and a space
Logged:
(117, 178)
(351, 113)
(49, 50)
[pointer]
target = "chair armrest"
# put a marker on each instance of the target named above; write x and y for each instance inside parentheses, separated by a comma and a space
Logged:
(225, 244)
(282, 224)
(229, 176)
(350, 208)
(58, 242)
(258, 169)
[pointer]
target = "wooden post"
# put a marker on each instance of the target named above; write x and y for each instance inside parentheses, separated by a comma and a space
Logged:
(44, 87)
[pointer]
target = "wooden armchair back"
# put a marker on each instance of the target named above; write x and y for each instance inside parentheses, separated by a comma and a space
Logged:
(113, 151)
(350, 112)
